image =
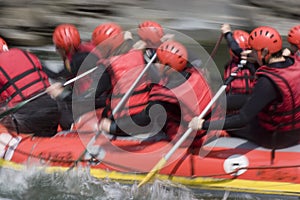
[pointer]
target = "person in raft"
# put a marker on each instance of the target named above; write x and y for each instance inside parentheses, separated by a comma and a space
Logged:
(76, 55)
(270, 117)
(172, 102)
(293, 38)
(124, 64)
(21, 78)
(239, 89)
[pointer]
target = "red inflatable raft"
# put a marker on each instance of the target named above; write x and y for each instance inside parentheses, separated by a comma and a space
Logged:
(221, 164)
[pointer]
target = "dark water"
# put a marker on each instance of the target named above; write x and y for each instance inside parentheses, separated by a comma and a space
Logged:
(79, 185)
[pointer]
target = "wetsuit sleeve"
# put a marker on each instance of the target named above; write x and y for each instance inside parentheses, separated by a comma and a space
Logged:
(140, 119)
(99, 89)
(264, 93)
(102, 78)
(103, 89)
(236, 101)
(233, 45)
(83, 60)
(143, 119)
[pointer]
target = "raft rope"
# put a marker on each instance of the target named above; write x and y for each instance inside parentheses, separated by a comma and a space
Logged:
(234, 173)
(214, 51)
(45, 158)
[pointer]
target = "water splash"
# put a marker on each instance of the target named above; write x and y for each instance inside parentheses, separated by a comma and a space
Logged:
(162, 190)
(78, 184)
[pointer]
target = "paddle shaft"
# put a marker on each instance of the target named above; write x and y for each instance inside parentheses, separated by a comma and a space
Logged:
(214, 51)
(20, 105)
(133, 86)
(80, 76)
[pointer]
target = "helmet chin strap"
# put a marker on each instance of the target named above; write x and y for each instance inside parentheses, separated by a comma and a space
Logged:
(67, 65)
(264, 62)
(263, 55)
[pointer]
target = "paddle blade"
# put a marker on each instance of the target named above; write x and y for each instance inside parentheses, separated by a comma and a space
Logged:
(153, 171)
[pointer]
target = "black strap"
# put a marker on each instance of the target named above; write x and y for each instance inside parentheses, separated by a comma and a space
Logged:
(36, 68)
(274, 144)
(15, 122)
(12, 81)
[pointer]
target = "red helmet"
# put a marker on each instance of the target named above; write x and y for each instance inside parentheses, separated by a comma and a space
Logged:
(294, 36)
(151, 32)
(67, 37)
(265, 37)
(3, 45)
(242, 38)
(173, 54)
(110, 31)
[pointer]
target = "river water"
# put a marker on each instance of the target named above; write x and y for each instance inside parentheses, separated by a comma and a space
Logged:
(33, 184)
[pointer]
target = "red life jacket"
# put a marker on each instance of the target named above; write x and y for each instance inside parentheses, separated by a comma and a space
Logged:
(21, 76)
(192, 96)
(284, 114)
(125, 69)
(243, 83)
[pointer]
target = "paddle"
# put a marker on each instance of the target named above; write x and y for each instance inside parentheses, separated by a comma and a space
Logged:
(133, 86)
(117, 108)
(20, 105)
(214, 51)
(164, 159)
